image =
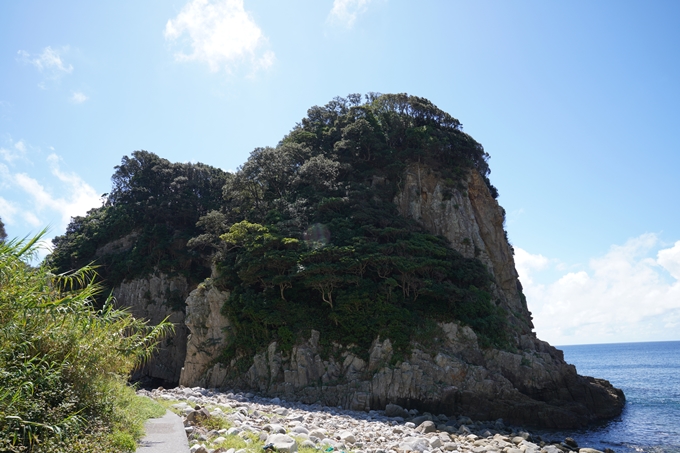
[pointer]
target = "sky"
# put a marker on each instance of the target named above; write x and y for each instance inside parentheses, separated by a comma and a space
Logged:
(577, 103)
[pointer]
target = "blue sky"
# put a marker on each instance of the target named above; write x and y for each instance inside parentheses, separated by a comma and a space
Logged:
(578, 104)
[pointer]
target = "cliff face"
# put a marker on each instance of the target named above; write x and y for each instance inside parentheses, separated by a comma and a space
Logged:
(531, 385)
(472, 221)
(154, 298)
(209, 332)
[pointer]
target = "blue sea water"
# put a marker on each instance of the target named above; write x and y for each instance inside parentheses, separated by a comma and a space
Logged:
(649, 375)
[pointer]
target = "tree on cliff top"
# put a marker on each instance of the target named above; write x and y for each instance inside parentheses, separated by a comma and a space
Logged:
(3, 233)
(156, 204)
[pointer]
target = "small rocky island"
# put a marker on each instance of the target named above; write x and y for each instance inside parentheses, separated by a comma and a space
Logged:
(361, 263)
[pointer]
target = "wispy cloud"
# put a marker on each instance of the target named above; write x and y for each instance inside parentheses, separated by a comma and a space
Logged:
(514, 215)
(78, 97)
(49, 62)
(8, 211)
(220, 33)
(632, 293)
(63, 193)
(15, 151)
(346, 12)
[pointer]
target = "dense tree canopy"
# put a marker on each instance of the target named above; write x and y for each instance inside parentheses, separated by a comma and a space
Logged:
(305, 234)
(155, 204)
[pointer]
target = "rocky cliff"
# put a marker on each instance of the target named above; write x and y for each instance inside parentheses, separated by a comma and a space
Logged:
(529, 384)
(473, 222)
(155, 298)
(209, 333)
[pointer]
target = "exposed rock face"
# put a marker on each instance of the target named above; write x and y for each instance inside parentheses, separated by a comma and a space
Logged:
(532, 385)
(208, 331)
(472, 221)
(154, 298)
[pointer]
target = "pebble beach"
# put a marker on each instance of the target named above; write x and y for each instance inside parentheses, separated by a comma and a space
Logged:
(287, 427)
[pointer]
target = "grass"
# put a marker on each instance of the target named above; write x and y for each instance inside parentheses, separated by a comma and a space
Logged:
(129, 416)
(64, 362)
(243, 440)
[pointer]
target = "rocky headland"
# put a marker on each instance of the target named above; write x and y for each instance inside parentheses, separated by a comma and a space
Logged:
(362, 263)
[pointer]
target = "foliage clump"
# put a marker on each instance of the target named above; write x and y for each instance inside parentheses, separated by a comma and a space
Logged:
(154, 206)
(64, 363)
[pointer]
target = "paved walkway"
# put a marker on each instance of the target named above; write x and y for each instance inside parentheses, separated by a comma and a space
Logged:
(164, 435)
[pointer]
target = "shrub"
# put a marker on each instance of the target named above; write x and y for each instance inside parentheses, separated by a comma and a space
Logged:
(63, 363)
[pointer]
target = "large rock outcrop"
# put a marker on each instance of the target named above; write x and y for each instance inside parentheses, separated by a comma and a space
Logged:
(209, 331)
(531, 384)
(154, 298)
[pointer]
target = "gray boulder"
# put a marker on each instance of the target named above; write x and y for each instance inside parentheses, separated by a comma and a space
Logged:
(426, 427)
(394, 410)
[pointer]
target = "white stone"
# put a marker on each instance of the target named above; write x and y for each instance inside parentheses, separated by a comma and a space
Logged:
(414, 444)
(435, 442)
(347, 437)
(299, 430)
(282, 443)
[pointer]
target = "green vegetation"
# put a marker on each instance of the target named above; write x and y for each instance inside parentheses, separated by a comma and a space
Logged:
(311, 238)
(63, 363)
(152, 209)
(3, 233)
(305, 235)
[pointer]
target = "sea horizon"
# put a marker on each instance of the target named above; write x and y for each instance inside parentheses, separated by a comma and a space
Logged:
(615, 343)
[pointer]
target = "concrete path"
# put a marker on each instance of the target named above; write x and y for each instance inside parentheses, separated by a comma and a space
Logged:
(164, 435)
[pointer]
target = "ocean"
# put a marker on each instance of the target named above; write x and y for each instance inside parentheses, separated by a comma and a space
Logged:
(649, 375)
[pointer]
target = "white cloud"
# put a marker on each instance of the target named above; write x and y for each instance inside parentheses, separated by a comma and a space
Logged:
(220, 33)
(78, 97)
(7, 211)
(15, 151)
(67, 196)
(670, 260)
(624, 295)
(265, 61)
(526, 263)
(345, 12)
(49, 62)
